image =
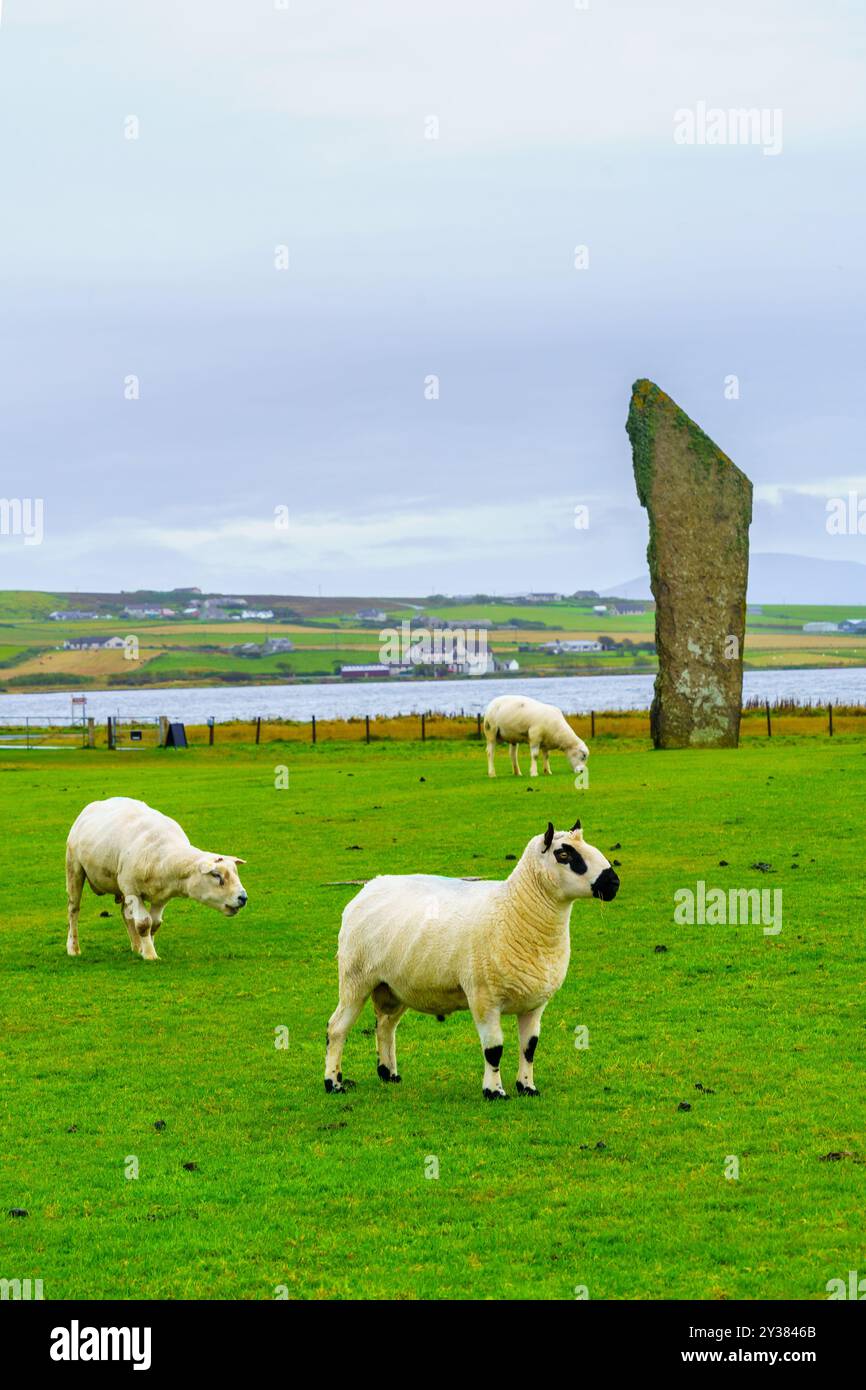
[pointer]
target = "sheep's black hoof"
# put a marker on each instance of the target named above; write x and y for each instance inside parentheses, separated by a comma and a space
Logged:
(337, 1088)
(494, 1095)
(386, 1075)
(526, 1090)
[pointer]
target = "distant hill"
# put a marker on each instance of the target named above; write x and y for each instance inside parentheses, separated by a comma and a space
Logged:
(16, 604)
(783, 579)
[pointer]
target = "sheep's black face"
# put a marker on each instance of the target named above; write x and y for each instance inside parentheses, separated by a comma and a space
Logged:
(606, 886)
(576, 868)
(572, 865)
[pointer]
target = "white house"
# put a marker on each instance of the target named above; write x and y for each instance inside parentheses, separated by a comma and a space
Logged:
(572, 646)
(374, 669)
(93, 644)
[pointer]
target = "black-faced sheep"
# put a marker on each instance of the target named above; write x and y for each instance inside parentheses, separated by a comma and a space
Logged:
(436, 945)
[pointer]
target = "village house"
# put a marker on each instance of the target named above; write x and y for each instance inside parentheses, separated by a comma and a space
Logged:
(570, 645)
(376, 670)
(93, 644)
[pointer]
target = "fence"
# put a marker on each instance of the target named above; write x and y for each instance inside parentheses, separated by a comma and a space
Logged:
(759, 721)
(42, 733)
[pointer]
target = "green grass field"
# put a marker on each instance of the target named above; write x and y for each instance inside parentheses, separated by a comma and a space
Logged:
(603, 1182)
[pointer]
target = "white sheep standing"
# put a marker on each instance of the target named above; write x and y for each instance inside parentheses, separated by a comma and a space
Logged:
(125, 847)
(517, 719)
(418, 941)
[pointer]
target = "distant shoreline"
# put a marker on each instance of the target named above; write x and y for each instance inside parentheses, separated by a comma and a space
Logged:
(265, 679)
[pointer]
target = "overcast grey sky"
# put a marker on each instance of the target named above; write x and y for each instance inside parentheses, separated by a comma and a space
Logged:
(261, 388)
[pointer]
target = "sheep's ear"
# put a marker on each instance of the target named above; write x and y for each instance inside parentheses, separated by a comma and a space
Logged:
(205, 866)
(235, 859)
(548, 837)
(576, 826)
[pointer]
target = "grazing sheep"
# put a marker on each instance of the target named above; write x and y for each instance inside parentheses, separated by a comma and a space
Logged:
(517, 719)
(417, 941)
(124, 847)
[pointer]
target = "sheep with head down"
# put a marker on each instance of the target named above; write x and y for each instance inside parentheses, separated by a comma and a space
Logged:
(437, 945)
(125, 847)
(516, 719)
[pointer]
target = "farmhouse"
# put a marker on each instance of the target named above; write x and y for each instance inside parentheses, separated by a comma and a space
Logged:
(93, 644)
(71, 615)
(375, 670)
(532, 598)
(572, 646)
(820, 627)
(138, 611)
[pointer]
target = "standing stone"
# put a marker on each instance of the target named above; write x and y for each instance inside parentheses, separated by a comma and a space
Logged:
(700, 507)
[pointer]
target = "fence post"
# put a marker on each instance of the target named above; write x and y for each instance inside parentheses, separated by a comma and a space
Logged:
(592, 722)
(314, 728)
(259, 729)
(769, 724)
(478, 724)
(367, 727)
(830, 712)
(91, 733)
(210, 723)
(423, 728)
(163, 730)
(109, 731)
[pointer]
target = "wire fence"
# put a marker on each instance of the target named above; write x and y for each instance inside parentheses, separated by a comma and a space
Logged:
(759, 720)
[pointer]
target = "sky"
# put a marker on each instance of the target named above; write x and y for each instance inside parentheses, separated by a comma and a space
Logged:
(427, 172)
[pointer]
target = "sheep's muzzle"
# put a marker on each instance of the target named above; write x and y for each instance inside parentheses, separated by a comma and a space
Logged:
(606, 886)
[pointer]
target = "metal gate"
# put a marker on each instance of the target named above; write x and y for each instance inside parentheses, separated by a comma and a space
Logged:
(127, 735)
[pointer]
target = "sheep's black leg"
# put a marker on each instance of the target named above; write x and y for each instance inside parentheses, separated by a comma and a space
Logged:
(528, 1027)
(489, 1025)
(389, 1011)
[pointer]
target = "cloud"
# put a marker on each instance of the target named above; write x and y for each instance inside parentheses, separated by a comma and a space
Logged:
(838, 485)
(495, 546)
(408, 256)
